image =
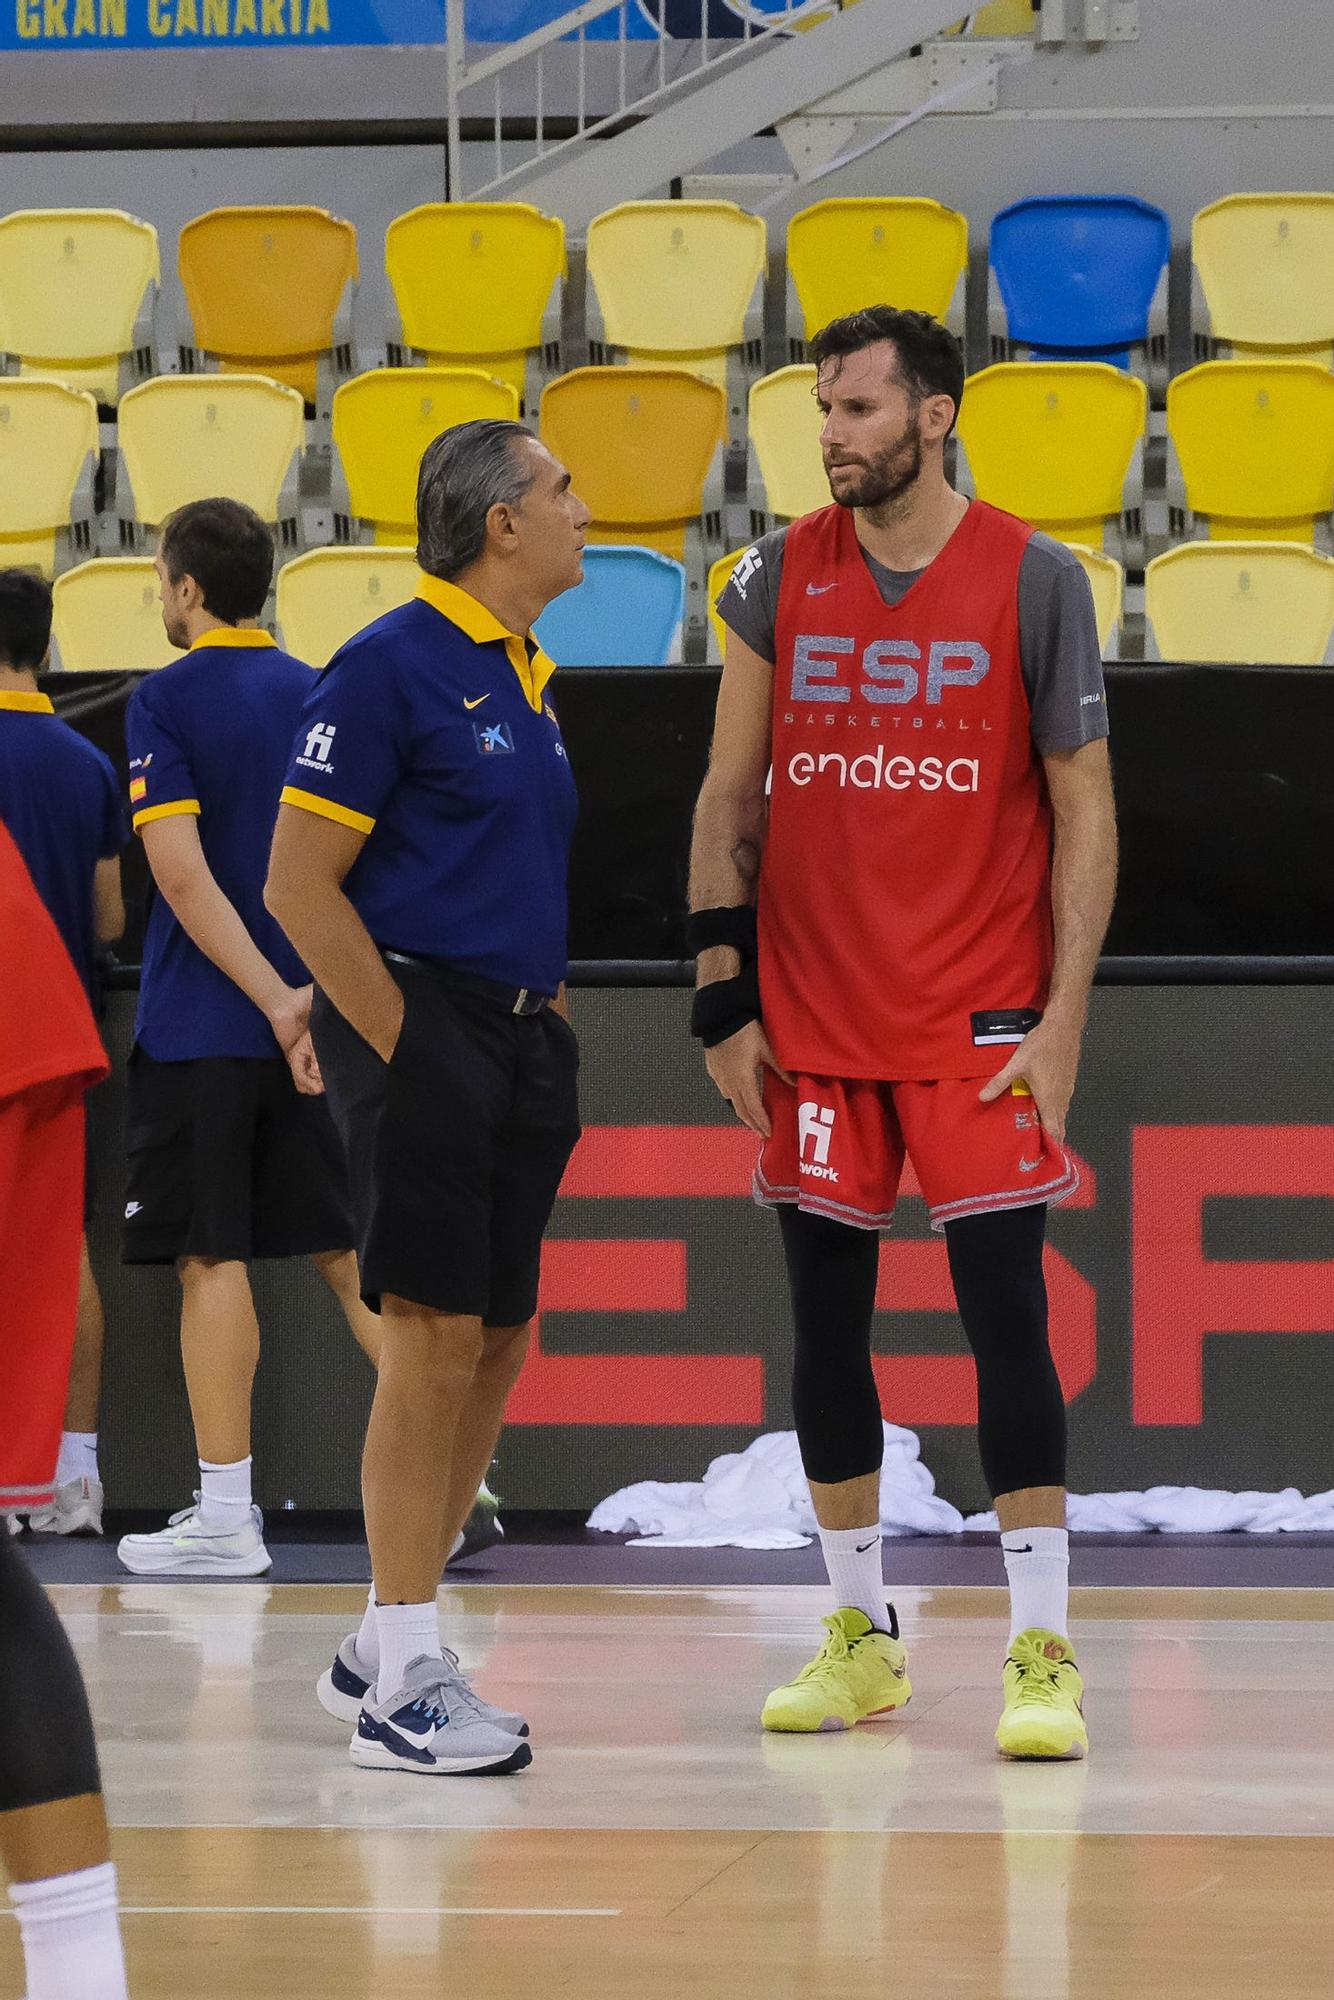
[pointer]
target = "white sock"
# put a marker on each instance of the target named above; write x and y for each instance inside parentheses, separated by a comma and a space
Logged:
(1037, 1562)
(78, 1457)
(368, 1638)
(70, 1926)
(406, 1632)
(852, 1558)
(224, 1496)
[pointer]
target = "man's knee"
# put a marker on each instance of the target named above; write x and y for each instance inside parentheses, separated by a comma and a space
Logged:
(504, 1349)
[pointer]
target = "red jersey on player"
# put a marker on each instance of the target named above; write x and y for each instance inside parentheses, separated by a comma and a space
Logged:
(906, 881)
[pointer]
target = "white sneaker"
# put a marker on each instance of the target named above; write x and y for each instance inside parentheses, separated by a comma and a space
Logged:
(185, 1547)
(344, 1688)
(76, 1510)
(13, 1524)
(432, 1727)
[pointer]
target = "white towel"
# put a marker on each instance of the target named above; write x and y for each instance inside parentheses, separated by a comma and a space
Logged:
(758, 1499)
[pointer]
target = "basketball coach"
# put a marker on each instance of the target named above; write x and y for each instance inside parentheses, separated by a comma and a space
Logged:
(420, 866)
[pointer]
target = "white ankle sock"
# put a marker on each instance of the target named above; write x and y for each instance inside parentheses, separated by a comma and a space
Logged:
(1037, 1562)
(224, 1495)
(406, 1632)
(368, 1637)
(71, 1935)
(78, 1457)
(852, 1558)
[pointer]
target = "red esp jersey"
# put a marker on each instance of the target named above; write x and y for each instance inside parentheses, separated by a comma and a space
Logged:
(47, 1029)
(906, 881)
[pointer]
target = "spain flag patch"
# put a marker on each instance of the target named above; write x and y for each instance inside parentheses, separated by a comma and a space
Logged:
(138, 790)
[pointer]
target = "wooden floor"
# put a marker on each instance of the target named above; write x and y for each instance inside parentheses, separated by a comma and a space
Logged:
(662, 1848)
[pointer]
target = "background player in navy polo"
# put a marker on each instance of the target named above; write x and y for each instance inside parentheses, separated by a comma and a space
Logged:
(60, 798)
(420, 867)
(232, 1151)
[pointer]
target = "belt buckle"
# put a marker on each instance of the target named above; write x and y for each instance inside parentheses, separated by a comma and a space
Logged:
(521, 1004)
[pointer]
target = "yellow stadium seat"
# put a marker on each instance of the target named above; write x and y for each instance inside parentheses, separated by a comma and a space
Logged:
(383, 422)
(1002, 17)
(643, 447)
(1059, 443)
(1108, 581)
(108, 617)
(677, 284)
(48, 454)
(1241, 602)
(787, 475)
(265, 289)
(1263, 273)
(640, 445)
(194, 437)
(327, 596)
(1251, 451)
(477, 284)
(863, 250)
(720, 573)
(77, 289)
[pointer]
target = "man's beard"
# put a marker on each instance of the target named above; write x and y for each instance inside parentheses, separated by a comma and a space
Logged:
(178, 634)
(888, 477)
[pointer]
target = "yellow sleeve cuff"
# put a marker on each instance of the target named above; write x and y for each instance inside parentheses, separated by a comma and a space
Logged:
(310, 802)
(172, 810)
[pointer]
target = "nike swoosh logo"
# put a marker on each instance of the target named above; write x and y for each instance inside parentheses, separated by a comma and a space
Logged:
(819, 589)
(477, 703)
(1029, 1166)
(862, 1547)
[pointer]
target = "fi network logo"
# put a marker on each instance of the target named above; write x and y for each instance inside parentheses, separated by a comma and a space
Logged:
(815, 1123)
(319, 742)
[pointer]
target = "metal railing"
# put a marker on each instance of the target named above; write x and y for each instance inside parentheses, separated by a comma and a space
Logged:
(514, 79)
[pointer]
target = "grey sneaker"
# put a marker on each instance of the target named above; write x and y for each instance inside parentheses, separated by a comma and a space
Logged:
(432, 1726)
(186, 1548)
(482, 1529)
(344, 1687)
(76, 1510)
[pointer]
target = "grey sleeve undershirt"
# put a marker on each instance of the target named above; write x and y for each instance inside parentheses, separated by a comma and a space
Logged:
(1060, 658)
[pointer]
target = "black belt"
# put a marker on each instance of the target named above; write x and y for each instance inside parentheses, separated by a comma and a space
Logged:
(514, 999)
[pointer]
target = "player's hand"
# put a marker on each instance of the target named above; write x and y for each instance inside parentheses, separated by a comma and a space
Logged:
(1047, 1060)
(289, 1016)
(737, 1066)
(305, 1067)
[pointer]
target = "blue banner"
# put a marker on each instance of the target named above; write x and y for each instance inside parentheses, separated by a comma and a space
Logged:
(166, 24)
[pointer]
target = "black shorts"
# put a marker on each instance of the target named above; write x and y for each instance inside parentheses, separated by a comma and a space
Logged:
(457, 1145)
(227, 1159)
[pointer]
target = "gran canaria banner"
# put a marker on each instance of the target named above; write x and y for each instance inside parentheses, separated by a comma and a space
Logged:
(157, 24)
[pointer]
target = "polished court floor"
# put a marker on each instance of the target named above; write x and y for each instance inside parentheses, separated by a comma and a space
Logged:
(661, 1845)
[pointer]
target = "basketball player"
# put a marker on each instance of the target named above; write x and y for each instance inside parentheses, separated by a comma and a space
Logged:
(895, 956)
(53, 1829)
(60, 799)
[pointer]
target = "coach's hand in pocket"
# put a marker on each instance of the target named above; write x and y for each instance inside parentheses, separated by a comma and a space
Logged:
(737, 1066)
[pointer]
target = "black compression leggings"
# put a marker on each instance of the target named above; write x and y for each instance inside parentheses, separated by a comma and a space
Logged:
(47, 1751)
(996, 1265)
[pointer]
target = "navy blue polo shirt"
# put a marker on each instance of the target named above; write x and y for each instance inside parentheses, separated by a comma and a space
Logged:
(430, 734)
(210, 736)
(60, 799)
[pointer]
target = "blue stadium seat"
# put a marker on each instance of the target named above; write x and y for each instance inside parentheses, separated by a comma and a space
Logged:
(627, 612)
(1080, 278)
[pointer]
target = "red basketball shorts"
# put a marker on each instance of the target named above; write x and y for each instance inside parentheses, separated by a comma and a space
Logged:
(837, 1148)
(41, 1222)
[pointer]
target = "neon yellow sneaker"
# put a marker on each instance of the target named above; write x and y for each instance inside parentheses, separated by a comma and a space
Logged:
(1044, 1692)
(858, 1673)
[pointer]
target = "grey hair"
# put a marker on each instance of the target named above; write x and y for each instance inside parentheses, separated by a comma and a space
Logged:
(465, 472)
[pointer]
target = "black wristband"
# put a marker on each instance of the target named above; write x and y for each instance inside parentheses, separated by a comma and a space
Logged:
(732, 925)
(720, 1010)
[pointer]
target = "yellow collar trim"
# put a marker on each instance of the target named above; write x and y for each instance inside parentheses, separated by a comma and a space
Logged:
(232, 635)
(28, 704)
(484, 628)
